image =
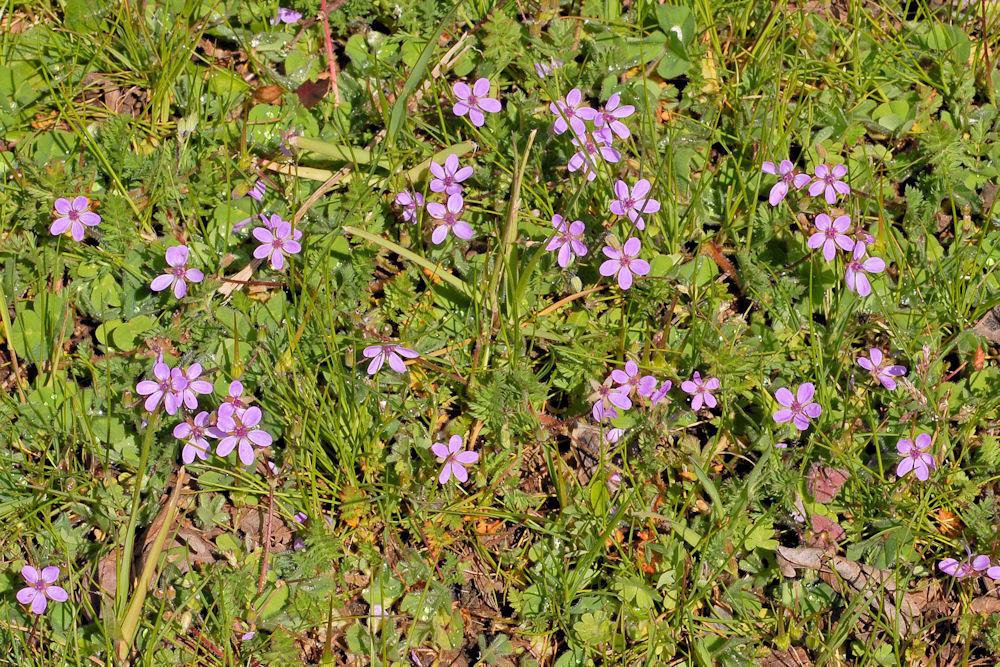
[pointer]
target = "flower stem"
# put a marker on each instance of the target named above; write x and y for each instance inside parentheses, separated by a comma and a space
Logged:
(125, 557)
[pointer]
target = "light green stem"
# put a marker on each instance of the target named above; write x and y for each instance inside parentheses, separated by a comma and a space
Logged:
(435, 270)
(125, 557)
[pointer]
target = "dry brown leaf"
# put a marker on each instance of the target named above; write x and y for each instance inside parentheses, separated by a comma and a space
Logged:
(989, 326)
(793, 657)
(871, 582)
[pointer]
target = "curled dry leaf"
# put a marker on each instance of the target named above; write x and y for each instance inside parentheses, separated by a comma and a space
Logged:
(877, 586)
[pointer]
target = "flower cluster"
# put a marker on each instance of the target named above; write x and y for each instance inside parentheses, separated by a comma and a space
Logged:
(594, 144)
(617, 391)
(234, 423)
(831, 233)
(447, 179)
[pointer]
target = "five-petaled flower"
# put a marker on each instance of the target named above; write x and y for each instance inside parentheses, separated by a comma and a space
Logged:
(411, 203)
(474, 101)
(635, 202)
(828, 181)
(162, 388)
(799, 409)
(448, 178)
(74, 215)
(449, 219)
(41, 588)
(276, 242)
(831, 235)
(612, 114)
(972, 564)
(876, 364)
(568, 240)
(193, 432)
(915, 457)
(236, 430)
(593, 145)
(624, 262)
(454, 459)
(570, 113)
(701, 391)
(856, 275)
(630, 379)
(789, 177)
(606, 398)
(178, 274)
(391, 353)
(188, 386)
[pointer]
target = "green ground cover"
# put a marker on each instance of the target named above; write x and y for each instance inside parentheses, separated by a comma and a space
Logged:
(502, 337)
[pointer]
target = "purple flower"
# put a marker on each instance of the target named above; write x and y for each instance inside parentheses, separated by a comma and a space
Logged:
(411, 202)
(635, 202)
(544, 69)
(568, 240)
(300, 517)
(235, 396)
(701, 391)
(285, 145)
(162, 388)
(624, 262)
(380, 354)
(277, 242)
(798, 408)
(193, 432)
(178, 274)
(630, 379)
(614, 435)
(236, 428)
(475, 101)
(450, 219)
(915, 458)
(570, 113)
(828, 181)
(606, 398)
(188, 386)
(880, 369)
(40, 588)
(960, 569)
(788, 177)
(75, 214)
(448, 177)
(857, 270)
(592, 146)
(453, 458)
(863, 239)
(611, 116)
(286, 16)
(659, 394)
(258, 190)
(831, 235)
